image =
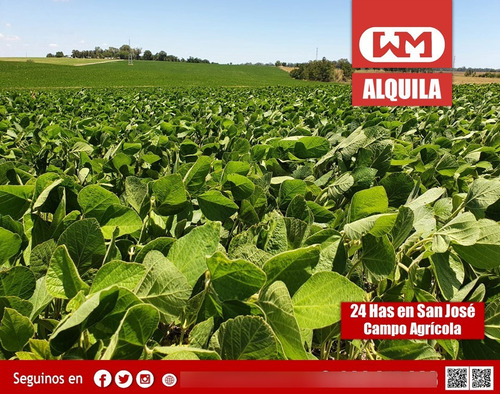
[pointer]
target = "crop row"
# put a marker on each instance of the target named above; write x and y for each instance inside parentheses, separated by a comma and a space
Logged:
(231, 224)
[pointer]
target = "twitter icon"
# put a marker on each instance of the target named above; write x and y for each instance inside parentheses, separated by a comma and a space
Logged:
(123, 379)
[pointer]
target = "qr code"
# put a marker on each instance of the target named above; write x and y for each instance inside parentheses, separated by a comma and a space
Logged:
(481, 378)
(469, 378)
(457, 378)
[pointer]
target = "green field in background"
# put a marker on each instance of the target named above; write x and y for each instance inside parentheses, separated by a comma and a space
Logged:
(61, 61)
(38, 75)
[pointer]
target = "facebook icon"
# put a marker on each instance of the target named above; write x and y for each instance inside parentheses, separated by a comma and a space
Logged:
(102, 378)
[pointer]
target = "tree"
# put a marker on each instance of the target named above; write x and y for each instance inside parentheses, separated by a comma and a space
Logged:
(136, 53)
(161, 56)
(346, 68)
(50, 55)
(59, 54)
(278, 63)
(147, 55)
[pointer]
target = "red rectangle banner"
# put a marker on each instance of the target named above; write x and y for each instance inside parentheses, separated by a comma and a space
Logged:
(402, 89)
(412, 320)
(178, 376)
(402, 34)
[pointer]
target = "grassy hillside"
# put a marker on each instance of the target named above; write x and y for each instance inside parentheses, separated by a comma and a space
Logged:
(142, 73)
(61, 61)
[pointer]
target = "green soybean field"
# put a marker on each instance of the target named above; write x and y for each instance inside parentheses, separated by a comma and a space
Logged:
(230, 223)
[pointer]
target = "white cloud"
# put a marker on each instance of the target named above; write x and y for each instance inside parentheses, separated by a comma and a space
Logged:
(7, 25)
(9, 38)
(53, 45)
(82, 41)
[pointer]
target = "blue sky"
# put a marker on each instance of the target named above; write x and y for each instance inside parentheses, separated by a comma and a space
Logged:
(222, 31)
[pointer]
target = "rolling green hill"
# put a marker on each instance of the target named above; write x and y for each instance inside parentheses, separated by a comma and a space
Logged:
(31, 75)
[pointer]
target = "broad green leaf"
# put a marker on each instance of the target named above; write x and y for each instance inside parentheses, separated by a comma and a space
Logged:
(185, 353)
(428, 197)
(76, 302)
(367, 202)
(402, 227)
(189, 252)
(41, 197)
(464, 291)
(106, 327)
(215, 206)
(134, 331)
(22, 306)
(69, 330)
(161, 244)
(492, 320)
(296, 231)
(398, 187)
(85, 244)
(451, 346)
(126, 219)
(311, 147)
(332, 256)
(478, 294)
(201, 333)
(15, 330)
(18, 282)
(447, 165)
(163, 286)
(95, 200)
(234, 279)
(293, 267)
(136, 191)
(120, 273)
(245, 338)
(40, 257)
(40, 299)
(250, 252)
(195, 177)
(170, 195)
(277, 305)
(406, 350)
(482, 194)
(462, 230)
(320, 213)
(236, 167)
(485, 253)
(9, 244)
(273, 237)
(41, 349)
(487, 349)
(424, 221)
(317, 302)
(241, 187)
(15, 200)
(299, 209)
(340, 187)
(63, 280)
(378, 256)
(449, 273)
(383, 223)
(289, 189)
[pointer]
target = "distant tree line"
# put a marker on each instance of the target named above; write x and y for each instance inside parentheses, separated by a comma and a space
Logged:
(323, 70)
(58, 54)
(124, 52)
